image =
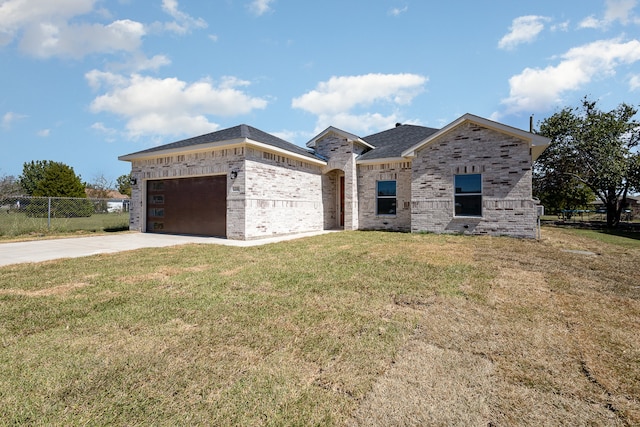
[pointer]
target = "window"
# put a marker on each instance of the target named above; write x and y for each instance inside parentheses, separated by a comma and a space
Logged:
(468, 195)
(386, 198)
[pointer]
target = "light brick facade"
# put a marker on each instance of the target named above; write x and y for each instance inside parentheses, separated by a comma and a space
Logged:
(341, 154)
(275, 188)
(368, 176)
(505, 165)
(271, 194)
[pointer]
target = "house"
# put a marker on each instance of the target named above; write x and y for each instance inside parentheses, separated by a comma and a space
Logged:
(472, 176)
(110, 201)
(630, 210)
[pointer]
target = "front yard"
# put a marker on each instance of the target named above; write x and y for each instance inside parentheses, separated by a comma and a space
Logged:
(352, 328)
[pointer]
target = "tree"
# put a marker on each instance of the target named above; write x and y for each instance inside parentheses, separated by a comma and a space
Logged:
(124, 184)
(594, 149)
(558, 192)
(32, 174)
(54, 179)
(100, 188)
(10, 186)
(59, 180)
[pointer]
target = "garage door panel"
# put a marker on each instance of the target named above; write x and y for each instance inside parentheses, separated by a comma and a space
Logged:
(188, 206)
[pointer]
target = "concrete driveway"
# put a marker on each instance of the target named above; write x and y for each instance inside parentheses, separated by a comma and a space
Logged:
(45, 250)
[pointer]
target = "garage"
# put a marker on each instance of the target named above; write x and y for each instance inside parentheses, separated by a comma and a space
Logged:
(195, 206)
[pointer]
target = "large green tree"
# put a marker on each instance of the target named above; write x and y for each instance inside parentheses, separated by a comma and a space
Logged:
(51, 179)
(59, 180)
(592, 149)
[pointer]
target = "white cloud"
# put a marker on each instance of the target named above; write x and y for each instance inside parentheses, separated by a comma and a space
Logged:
(44, 133)
(15, 15)
(616, 10)
(47, 39)
(538, 89)
(100, 127)
(62, 27)
(357, 123)
(634, 82)
(619, 10)
(169, 106)
(183, 22)
(562, 26)
(524, 29)
(260, 7)
(590, 22)
(139, 62)
(333, 101)
(10, 118)
(293, 135)
(341, 94)
(397, 11)
(45, 29)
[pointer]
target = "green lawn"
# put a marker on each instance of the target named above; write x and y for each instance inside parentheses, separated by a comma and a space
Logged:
(14, 224)
(352, 328)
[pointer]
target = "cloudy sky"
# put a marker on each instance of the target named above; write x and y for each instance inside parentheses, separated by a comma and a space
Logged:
(84, 81)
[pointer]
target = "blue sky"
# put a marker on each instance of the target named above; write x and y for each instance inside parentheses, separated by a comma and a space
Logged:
(84, 81)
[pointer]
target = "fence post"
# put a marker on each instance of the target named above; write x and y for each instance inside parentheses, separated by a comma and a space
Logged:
(49, 215)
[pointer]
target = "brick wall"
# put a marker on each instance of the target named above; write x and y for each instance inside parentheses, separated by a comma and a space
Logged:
(505, 164)
(341, 154)
(271, 194)
(368, 176)
(282, 195)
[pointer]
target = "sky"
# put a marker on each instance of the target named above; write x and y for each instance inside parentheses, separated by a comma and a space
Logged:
(85, 81)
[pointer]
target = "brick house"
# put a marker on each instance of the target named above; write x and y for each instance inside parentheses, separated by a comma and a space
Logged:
(472, 176)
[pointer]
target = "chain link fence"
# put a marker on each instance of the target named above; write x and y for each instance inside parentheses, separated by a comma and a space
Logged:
(39, 215)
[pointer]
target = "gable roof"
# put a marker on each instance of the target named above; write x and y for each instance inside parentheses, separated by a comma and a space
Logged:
(393, 142)
(537, 143)
(234, 135)
(346, 135)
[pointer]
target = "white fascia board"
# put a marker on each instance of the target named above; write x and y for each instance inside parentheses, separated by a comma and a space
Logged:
(183, 150)
(537, 143)
(232, 143)
(276, 150)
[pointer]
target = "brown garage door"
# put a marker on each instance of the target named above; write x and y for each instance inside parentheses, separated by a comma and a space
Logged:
(188, 206)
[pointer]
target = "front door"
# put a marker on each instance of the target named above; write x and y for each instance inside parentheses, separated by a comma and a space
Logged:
(341, 195)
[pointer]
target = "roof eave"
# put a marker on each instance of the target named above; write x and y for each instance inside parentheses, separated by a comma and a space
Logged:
(141, 155)
(272, 149)
(237, 142)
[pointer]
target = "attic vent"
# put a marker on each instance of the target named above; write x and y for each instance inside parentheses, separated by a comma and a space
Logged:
(398, 124)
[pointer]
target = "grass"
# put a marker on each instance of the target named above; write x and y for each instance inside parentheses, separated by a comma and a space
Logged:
(17, 224)
(353, 328)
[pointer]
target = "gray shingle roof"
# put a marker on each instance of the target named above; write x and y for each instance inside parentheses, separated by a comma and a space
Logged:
(391, 143)
(236, 132)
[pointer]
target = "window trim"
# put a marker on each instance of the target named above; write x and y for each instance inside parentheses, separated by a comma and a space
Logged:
(394, 197)
(456, 195)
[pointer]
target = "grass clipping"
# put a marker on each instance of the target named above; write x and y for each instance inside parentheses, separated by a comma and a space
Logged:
(354, 328)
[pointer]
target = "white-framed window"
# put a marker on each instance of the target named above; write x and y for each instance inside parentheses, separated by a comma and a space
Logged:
(386, 202)
(468, 194)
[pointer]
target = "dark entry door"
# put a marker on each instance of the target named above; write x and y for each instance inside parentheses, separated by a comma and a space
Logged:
(341, 201)
(188, 206)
